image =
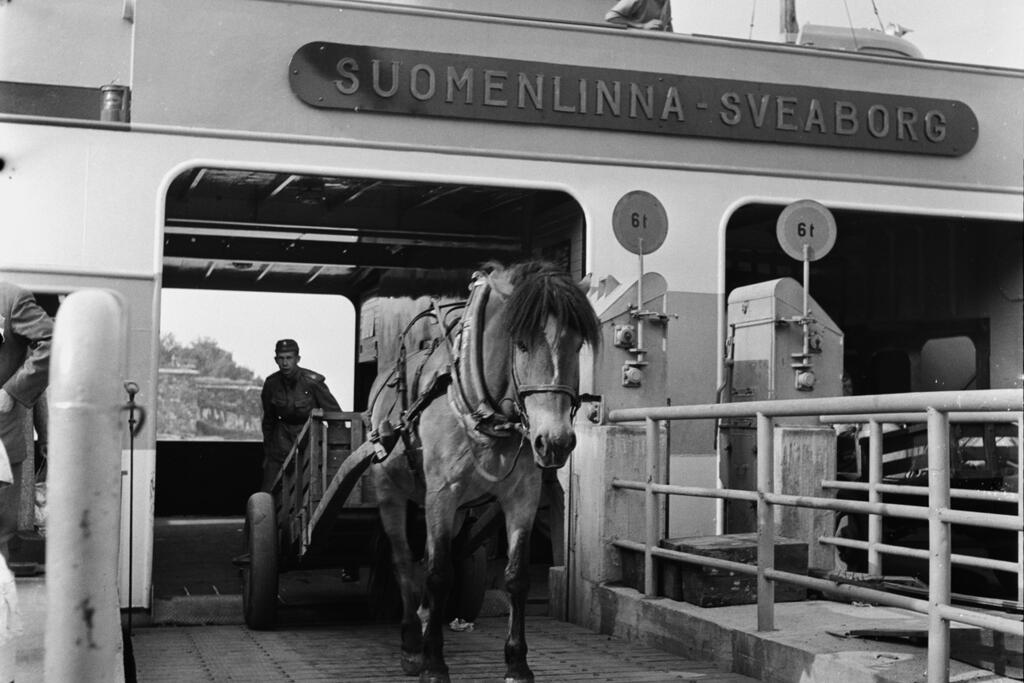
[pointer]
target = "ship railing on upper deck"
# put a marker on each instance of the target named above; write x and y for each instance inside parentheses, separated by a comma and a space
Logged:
(937, 410)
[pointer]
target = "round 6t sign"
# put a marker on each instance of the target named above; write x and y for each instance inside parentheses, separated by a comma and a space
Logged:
(806, 223)
(640, 222)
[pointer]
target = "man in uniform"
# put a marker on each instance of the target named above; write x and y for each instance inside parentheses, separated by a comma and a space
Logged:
(289, 396)
(25, 332)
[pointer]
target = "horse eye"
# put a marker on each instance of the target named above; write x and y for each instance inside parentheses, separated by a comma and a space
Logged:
(521, 346)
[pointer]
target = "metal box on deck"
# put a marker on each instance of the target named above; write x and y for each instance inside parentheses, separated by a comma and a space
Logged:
(711, 587)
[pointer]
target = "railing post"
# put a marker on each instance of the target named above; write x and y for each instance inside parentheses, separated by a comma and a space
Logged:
(939, 546)
(651, 508)
(765, 523)
(83, 631)
(874, 479)
(1020, 510)
(324, 456)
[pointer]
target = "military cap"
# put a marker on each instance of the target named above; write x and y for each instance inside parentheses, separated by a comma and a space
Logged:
(286, 346)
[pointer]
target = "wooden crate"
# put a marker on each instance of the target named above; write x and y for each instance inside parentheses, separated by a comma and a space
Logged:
(632, 563)
(710, 587)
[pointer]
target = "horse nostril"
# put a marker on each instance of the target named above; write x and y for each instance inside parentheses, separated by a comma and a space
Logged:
(538, 444)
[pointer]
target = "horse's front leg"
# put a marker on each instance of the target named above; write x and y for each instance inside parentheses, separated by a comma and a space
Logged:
(519, 514)
(393, 517)
(440, 514)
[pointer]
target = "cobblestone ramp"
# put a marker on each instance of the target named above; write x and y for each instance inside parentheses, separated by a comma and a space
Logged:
(369, 652)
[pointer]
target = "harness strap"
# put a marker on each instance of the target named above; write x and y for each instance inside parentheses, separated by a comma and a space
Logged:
(386, 436)
(436, 389)
(527, 389)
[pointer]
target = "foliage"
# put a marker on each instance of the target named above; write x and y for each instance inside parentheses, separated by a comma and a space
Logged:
(203, 354)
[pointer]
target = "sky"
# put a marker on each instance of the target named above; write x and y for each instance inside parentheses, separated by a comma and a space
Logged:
(976, 32)
(249, 323)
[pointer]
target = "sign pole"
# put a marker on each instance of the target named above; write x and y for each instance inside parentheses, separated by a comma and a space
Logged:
(640, 224)
(806, 231)
(807, 302)
(640, 304)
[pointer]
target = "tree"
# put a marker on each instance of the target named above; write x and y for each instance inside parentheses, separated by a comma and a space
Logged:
(203, 354)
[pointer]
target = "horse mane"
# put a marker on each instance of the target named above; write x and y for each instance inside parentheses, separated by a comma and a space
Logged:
(541, 289)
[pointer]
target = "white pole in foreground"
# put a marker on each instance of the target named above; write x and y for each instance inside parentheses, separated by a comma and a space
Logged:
(83, 630)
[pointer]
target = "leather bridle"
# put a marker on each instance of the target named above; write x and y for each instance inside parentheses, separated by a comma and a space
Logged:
(521, 391)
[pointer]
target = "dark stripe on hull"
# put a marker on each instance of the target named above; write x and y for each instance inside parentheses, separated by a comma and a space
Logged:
(47, 99)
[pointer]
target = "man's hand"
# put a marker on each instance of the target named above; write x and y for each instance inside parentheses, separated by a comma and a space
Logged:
(6, 402)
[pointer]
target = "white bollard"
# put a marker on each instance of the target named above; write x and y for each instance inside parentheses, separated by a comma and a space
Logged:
(83, 631)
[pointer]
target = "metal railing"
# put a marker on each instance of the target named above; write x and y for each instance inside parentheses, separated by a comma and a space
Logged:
(874, 487)
(936, 409)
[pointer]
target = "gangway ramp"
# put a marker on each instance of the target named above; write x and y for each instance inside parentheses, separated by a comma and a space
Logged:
(351, 651)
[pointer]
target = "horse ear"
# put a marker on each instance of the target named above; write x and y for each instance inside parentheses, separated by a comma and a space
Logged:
(502, 285)
(584, 284)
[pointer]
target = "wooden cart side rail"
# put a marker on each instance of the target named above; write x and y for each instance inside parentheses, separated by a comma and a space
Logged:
(320, 451)
(290, 459)
(323, 518)
(307, 494)
(288, 490)
(353, 416)
(303, 481)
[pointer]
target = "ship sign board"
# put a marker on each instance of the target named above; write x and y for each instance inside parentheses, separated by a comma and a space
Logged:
(365, 78)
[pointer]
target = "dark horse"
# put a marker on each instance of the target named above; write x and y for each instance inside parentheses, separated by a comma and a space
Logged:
(492, 403)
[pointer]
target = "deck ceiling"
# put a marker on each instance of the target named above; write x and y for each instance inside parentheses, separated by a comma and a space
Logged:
(261, 230)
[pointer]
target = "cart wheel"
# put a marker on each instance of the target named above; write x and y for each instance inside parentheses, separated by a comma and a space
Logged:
(470, 585)
(259, 578)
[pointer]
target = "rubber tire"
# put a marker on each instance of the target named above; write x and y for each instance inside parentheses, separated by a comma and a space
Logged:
(259, 579)
(469, 587)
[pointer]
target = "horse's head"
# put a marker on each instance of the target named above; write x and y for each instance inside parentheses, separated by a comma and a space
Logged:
(547, 320)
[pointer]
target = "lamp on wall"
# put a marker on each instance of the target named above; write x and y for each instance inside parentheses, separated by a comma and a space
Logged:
(115, 103)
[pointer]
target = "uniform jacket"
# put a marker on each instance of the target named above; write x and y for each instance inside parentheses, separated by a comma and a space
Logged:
(287, 405)
(26, 330)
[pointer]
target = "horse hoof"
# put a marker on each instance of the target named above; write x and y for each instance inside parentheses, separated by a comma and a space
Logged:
(412, 664)
(523, 675)
(434, 678)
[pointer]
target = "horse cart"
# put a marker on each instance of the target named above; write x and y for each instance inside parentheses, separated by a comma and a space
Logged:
(472, 426)
(322, 514)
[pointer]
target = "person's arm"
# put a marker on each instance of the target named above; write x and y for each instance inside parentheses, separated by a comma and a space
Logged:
(41, 422)
(324, 398)
(269, 418)
(31, 323)
(327, 400)
(640, 14)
